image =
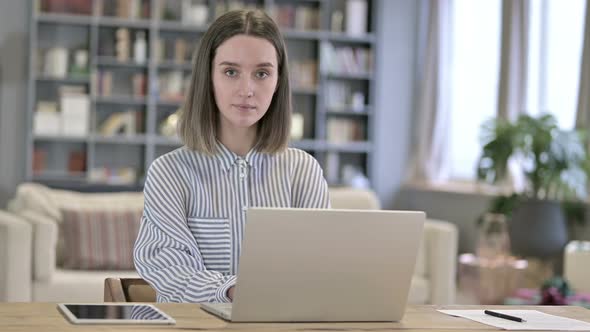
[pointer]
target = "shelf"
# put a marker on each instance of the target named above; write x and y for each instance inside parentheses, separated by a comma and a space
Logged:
(175, 66)
(308, 1)
(116, 22)
(120, 139)
(70, 19)
(108, 61)
(304, 91)
(61, 139)
(63, 80)
(350, 76)
(316, 145)
(328, 35)
(167, 141)
(348, 111)
(169, 104)
(301, 34)
(351, 147)
(304, 144)
(344, 38)
(121, 100)
(175, 26)
(60, 176)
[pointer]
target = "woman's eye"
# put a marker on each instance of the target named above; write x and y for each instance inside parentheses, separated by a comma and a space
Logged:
(231, 73)
(262, 74)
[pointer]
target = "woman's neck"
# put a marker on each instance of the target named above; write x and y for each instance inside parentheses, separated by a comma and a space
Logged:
(238, 140)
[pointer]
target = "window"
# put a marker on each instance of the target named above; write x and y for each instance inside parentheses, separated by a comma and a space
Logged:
(555, 57)
(475, 54)
(555, 53)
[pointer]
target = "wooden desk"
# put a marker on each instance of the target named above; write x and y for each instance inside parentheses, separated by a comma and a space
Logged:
(33, 317)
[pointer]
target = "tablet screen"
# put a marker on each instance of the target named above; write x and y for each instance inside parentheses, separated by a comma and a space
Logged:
(115, 313)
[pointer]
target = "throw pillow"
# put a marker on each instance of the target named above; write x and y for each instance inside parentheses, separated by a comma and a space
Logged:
(99, 239)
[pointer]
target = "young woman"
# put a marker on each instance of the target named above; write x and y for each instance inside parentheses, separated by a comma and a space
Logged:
(235, 125)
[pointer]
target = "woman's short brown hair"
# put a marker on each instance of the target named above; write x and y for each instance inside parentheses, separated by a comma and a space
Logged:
(199, 117)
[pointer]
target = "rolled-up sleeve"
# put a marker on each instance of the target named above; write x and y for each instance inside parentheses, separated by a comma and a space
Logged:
(166, 254)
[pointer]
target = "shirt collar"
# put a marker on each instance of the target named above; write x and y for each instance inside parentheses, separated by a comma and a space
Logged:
(228, 158)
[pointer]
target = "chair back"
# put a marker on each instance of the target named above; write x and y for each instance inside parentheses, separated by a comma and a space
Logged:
(355, 199)
(128, 290)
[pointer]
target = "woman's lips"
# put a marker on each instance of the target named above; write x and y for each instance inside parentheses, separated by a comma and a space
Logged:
(244, 107)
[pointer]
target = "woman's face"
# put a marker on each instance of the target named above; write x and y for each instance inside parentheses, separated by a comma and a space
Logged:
(245, 76)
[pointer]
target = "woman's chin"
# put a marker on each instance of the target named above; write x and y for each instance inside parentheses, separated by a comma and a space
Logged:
(243, 124)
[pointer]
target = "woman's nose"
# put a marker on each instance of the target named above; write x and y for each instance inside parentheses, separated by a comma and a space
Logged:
(246, 88)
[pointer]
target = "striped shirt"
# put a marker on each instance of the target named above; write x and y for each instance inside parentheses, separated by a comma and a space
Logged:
(190, 238)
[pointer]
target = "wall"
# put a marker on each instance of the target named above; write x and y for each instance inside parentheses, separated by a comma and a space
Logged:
(14, 25)
(394, 99)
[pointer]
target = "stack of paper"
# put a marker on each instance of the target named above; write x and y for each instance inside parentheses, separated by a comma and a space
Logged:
(534, 320)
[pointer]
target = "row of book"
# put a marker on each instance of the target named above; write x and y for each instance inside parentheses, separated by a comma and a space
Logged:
(349, 60)
(172, 85)
(104, 81)
(303, 74)
(178, 50)
(341, 130)
(125, 46)
(128, 9)
(76, 160)
(302, 18)
(340, 95)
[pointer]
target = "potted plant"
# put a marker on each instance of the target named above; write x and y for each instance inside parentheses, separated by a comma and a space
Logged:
(554, 165)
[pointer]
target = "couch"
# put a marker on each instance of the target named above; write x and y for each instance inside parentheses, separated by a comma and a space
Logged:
(30, 246)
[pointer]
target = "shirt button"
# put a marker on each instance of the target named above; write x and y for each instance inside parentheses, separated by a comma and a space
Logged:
(241, 161)
(242, 175)
(245, 208)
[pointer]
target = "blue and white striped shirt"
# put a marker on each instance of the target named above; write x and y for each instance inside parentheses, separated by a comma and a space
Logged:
(190, 239)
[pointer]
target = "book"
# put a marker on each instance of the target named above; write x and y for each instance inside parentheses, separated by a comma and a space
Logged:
(75, 113)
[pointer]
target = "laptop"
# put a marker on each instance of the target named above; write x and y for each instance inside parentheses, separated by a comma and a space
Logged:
(321, 265)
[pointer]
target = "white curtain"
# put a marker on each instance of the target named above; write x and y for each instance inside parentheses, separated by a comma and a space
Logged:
(583, 114)
(512, 90)
(429, 157)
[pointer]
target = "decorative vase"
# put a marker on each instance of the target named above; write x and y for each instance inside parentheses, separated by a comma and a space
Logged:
(493, 241)
(538, 229)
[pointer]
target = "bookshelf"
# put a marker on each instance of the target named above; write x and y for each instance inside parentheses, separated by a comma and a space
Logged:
(126, 124)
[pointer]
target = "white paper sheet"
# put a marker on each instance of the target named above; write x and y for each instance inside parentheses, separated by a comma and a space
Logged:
(535, 320)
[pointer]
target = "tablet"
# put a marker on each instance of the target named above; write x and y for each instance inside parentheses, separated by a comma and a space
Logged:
(114, 313)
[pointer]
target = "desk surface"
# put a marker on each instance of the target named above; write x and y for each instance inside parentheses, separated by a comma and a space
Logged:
(31, 317)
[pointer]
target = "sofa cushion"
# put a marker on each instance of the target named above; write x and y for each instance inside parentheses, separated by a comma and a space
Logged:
(99, 239)
(355, 199)
(50, 202)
